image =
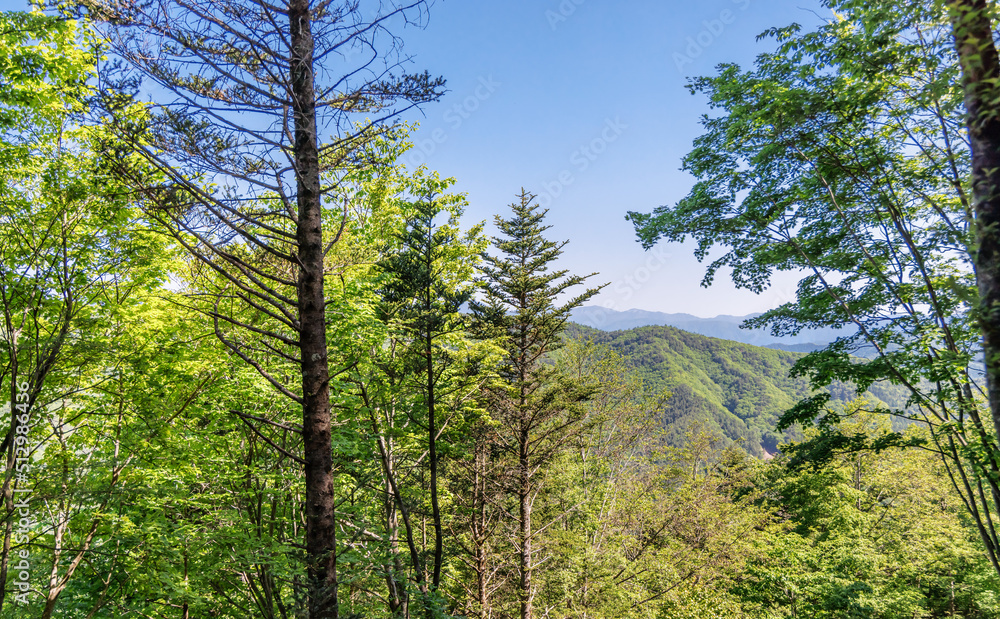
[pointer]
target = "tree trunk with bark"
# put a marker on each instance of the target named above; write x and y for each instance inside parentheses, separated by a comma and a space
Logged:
(321, 522)
(980, 65)
(524, 531)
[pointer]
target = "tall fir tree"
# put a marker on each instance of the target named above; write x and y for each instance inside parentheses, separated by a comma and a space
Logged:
(538, 410)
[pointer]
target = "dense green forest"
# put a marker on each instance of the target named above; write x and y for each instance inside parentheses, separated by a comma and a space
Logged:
(252, 365)
(738, 390)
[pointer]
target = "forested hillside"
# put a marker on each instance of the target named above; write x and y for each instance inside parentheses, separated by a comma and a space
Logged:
(737, 389)
(256, 362)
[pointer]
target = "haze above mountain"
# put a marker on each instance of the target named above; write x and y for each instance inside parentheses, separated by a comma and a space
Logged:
(724, 327)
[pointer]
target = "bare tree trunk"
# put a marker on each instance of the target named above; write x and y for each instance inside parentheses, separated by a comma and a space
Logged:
(395, 581)
(390, 479)
(8, 494)
(185, 607)
(321, 525)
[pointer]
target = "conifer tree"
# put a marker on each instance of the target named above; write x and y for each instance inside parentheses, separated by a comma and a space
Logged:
(428, 281)
(260, 110)
(538, 410)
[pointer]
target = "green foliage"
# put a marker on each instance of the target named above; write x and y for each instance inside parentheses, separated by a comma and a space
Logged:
(737, 389)
(45, 62)
(867, 534)
(538, 411)
(503, 461)
(838, 156)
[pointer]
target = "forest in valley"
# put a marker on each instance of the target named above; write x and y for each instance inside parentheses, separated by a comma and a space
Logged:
(253, 364)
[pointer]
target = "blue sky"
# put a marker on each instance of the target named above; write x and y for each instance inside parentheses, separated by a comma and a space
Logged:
(583, 103)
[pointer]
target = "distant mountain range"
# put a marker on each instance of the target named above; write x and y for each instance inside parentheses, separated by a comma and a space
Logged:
(723, 327)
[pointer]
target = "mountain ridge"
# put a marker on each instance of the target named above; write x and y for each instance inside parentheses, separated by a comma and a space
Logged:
(736, 389)
(723, 326)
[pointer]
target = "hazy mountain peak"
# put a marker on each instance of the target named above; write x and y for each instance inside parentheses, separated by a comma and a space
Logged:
(723, 326)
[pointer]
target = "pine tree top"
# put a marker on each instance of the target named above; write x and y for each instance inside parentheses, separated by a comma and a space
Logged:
(521, 293)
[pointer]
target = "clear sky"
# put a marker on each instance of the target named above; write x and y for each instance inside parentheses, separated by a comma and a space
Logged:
(583, 103)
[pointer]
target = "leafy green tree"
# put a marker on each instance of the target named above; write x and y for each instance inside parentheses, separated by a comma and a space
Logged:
(74, 266)
(589, 488)
(429, 278)
(539, 410)
(837, 156)
(972, 26)
(867, 534)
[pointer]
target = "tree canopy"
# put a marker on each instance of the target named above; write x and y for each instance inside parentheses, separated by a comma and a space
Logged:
(252, 365)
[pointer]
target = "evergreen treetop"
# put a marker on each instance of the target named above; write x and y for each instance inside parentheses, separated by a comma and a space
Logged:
(520, 293)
